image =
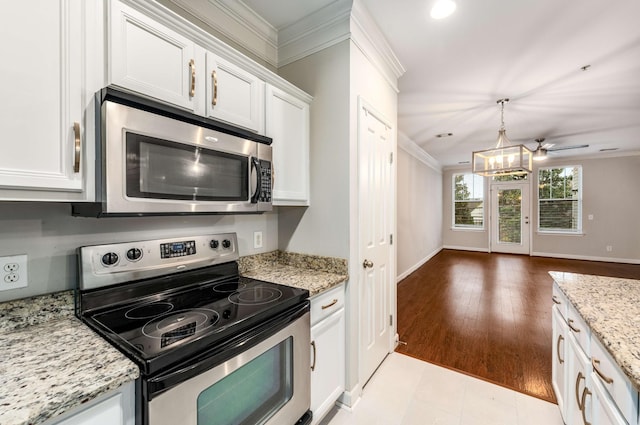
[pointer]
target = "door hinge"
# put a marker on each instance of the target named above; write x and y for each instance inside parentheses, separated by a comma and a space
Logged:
(391, 158)
(391, 239)
(391, 320)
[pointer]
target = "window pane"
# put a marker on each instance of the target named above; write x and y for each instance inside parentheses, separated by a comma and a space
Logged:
(509, 215)
(468, 202)
(560, 200)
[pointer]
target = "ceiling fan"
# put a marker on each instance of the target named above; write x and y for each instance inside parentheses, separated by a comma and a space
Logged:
(540, 153)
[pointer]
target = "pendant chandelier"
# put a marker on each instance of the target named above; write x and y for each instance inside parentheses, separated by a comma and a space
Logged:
(505, 158)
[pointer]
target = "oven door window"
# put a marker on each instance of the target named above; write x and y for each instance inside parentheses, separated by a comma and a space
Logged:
(160, 169)
(252, 393)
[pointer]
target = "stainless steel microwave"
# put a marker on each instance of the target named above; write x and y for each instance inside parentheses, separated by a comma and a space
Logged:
(156, 160)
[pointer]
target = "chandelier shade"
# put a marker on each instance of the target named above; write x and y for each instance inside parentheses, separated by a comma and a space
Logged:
(505, 158)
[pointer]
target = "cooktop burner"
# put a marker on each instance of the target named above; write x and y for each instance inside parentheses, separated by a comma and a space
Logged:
(255, 296)
(148, 311)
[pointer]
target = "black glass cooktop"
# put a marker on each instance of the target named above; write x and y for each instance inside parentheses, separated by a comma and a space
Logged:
(160, 329)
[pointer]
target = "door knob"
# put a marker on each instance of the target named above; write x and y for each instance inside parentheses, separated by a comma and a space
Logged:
(367, 264)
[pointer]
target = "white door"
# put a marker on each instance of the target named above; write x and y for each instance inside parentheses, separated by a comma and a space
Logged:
(375, 143)
(510, 223)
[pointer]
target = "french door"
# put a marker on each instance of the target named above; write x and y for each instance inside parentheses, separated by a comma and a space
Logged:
(510, 218)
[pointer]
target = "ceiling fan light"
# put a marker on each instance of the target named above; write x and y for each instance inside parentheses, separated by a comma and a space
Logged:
(539, 154)
(443, 8)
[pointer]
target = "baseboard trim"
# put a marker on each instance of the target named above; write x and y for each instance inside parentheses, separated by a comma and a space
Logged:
(418, 265)
(587, 258)
(465, 248)
(349, 399)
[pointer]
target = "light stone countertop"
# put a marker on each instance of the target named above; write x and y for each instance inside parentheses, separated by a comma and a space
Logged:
(611, 308)
(314, 273)
(51, 362)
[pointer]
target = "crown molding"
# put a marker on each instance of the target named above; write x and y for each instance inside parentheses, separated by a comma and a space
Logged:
(322, 29)
(239, 23)
(412, 148)
(371, 41)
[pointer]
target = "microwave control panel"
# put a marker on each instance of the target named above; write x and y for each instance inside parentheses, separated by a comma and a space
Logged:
(265, 181)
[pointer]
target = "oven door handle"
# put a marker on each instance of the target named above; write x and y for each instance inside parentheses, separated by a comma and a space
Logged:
(209, 359)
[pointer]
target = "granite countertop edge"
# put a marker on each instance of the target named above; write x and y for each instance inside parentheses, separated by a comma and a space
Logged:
(607, 306)
(317, 274)
(53, 363)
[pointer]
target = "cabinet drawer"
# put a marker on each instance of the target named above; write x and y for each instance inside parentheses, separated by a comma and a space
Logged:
(579, 329)
(559, 301)
(326, 303)
(614, 381)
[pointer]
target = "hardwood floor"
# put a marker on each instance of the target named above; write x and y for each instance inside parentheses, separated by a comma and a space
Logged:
(488, 315)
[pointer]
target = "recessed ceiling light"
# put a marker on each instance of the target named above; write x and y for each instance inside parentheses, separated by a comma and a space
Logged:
(443, 8)
(444, 135)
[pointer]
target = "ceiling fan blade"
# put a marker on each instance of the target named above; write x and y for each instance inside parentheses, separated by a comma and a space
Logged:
(563, 148)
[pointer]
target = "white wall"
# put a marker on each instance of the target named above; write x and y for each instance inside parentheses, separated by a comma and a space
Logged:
(49, 235)
(323, 228)
(610, 193)
(419, 208)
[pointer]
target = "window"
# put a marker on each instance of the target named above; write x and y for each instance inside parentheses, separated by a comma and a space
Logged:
(560, 199)
(468, 201)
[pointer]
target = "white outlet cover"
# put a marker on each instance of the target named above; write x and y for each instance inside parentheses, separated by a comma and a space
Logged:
(257, 239)
(13, 272)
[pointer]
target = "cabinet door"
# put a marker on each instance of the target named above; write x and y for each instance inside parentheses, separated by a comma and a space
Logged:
(108, 412)
(328, 364)
(603, 409)
(234, 95)
(149, 58)
(40, 81)
(578, 382)
(288, 126)
(559, 358)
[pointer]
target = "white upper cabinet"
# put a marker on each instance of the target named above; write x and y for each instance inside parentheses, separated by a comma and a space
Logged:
(234, 95)
(288, 125)
(149, 58)
(41, 114)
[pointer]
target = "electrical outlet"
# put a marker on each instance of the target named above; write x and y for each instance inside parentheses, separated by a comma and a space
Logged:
(14, 272)
(257, 239)
(609, 248)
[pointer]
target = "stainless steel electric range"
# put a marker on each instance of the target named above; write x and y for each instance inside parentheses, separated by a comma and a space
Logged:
(213, 348)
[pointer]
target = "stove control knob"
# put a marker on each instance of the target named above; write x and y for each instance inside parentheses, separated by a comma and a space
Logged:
(214, 244)
(109, 259)
(226, 243)
(134, 254)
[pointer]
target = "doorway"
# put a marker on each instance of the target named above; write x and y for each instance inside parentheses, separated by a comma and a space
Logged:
(510, 218)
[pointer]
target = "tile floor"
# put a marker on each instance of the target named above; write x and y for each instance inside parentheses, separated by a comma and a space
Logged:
(406, 391)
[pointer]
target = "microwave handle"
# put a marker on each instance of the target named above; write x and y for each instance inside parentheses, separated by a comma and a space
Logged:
(256, 176)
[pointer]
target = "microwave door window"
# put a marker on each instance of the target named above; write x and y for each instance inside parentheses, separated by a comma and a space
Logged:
(167, 170)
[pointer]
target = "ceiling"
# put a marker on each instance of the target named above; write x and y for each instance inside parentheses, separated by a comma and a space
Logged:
(530, 51)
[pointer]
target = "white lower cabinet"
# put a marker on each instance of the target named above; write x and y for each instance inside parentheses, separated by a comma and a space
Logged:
(590, 387)
(327, 351)
(117, 408)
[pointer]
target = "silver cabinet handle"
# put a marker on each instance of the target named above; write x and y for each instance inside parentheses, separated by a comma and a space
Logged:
(555, 300)
(313, 365)
(192, 69)
(595, 363)
(579, 378)
(367, 264)
(560, 339)
(76, 156)
(214, 85)
(331, 304)
(583, 409)
(570, 323)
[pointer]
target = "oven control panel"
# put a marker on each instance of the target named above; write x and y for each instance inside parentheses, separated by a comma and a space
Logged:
(104, 265)
(177, 249)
